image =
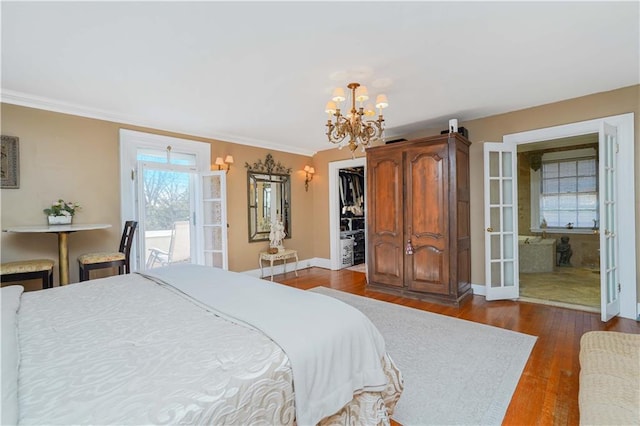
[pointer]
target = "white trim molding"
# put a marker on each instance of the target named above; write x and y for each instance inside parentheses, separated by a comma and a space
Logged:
(627, 207)
(39, 102)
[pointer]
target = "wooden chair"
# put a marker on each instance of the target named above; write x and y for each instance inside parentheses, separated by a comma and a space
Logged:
(120, 259)
(28, 270)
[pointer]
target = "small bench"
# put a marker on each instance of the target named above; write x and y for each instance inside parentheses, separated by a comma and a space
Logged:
(23, 270)
(609, 392)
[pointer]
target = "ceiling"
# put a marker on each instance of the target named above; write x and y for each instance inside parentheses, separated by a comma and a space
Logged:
(260, 73)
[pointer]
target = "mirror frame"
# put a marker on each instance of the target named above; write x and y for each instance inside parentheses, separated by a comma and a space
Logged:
(272, 172)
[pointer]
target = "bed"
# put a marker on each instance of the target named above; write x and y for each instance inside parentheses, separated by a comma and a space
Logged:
(191, 344)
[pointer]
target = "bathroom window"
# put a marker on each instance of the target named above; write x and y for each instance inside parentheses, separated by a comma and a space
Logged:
(567, 190)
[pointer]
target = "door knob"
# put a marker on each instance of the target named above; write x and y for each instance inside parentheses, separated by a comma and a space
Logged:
(489, 229)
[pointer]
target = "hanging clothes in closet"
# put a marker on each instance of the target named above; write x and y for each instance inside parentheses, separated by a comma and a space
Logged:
(352, 192)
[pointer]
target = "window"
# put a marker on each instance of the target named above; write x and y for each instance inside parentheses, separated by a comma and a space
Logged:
(568, 190)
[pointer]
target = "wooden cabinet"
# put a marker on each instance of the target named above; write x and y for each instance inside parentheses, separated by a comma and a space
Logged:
(418, 218)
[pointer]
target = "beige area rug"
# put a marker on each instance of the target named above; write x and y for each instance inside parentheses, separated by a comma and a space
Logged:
(362, 267)
(456, 372)
(568, 285)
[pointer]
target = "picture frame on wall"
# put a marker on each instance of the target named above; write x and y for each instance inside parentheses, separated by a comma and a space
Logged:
(9, 163)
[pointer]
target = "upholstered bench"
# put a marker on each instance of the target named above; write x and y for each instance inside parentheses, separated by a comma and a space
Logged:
(609, 378)
(23, 270)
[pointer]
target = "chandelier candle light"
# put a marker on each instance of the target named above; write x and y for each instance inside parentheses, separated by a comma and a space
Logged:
(353, 125)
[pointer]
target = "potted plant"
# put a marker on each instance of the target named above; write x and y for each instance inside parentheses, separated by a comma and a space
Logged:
(61, 212)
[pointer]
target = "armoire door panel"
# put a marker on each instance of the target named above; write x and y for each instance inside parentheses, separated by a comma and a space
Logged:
(428, 270)
(388, 264)
(386, 199)
(427, 193)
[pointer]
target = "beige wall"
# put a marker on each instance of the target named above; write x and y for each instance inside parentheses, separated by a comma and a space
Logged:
(492, 129)
(77, 159)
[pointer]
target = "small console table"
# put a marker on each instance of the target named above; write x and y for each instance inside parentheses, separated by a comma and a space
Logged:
(283, 255)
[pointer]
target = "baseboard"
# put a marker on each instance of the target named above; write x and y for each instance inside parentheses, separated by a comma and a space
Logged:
(479, 289)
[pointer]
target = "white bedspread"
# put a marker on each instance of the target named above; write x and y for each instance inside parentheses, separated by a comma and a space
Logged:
(333, 348)
(125, 350)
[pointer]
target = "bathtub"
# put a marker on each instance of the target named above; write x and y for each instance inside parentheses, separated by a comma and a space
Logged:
(536, 254)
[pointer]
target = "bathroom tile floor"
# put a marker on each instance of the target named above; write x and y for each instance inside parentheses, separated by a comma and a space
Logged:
(567, 286)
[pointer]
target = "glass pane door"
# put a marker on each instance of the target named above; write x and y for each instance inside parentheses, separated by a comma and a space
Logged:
(214, 223)
(609, 270)
(501, 242)
(165, 208)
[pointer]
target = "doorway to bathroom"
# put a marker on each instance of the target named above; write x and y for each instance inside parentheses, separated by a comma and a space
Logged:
(616, 205)
(558, 222)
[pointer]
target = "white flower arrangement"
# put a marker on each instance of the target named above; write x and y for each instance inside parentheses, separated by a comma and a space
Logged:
(62, 208)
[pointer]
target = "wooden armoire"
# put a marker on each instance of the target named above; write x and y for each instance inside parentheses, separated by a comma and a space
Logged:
(418, 239)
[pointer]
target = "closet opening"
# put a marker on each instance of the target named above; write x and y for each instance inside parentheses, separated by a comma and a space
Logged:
(351, 186)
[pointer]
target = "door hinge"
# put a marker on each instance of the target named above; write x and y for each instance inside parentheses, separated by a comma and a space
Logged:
(133, 174)
(617, 147)
(619, 288)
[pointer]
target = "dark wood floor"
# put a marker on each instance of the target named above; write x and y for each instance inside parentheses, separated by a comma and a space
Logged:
(547, 393)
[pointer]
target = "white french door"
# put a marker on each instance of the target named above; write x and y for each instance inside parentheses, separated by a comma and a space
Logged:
(213, 226)
(609, 268)
(167, 186)
(501, 221)
(166, 197)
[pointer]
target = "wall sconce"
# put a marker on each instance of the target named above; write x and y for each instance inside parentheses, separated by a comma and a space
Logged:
(309, 171)
(228, 161)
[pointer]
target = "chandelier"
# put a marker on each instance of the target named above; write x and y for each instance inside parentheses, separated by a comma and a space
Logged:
(354, 126)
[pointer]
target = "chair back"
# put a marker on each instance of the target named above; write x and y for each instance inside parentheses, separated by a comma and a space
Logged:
(127, 241)
(180, 246)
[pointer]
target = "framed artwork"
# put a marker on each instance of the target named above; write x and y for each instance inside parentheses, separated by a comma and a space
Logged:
(9, 163)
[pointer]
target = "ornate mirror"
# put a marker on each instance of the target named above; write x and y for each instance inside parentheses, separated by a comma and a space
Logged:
(269, 197)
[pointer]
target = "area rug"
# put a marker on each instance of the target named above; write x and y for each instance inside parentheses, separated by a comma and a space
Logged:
(456, 372)
(361, 267)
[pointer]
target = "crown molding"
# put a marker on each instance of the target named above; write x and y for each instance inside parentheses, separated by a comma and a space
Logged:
(38, 102)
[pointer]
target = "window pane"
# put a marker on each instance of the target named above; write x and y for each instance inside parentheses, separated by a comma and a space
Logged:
(549, 170)
(506, 164)
(566, 202)
(507, 214)
(567, 168)
(586, 184)
(567, 217)
(568, 185)
(575, 181)
(586, 219)
(587, 167)
(549, 202)
(587, 202)
(494, 168)
(550, 186)
(507, 197)
(551, 217)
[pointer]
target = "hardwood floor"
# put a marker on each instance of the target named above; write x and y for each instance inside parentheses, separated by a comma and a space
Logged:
(547, 393)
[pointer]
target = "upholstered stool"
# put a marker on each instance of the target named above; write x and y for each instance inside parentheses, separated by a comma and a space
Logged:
(23, 270)
(117, 259)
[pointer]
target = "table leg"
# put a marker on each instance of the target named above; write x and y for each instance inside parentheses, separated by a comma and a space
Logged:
(296, 265)
(271, 269)
(63, 258)
(261, 271)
